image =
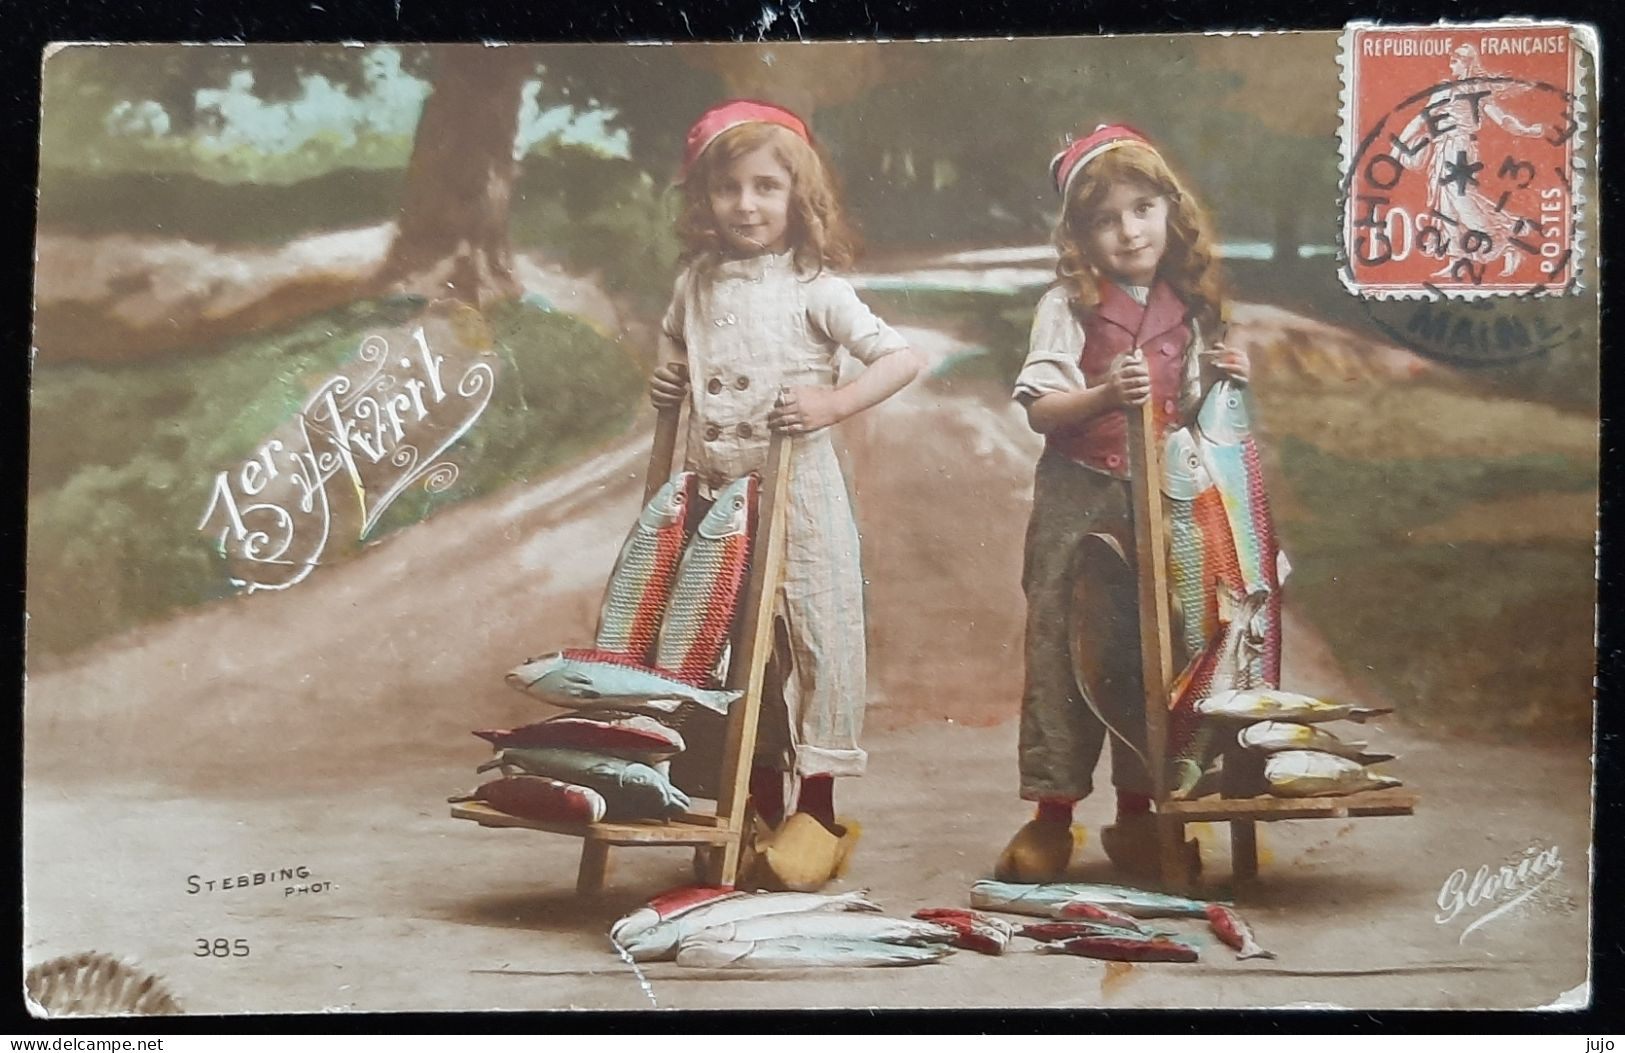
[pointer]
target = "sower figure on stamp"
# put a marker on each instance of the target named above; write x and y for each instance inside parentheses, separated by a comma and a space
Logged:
(751, 338)
(1137, 288)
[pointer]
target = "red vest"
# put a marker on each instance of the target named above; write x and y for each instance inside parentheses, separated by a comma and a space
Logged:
(1117, 326)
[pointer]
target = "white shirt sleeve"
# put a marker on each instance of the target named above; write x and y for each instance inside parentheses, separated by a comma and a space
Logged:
(1052, 351)
(833, 309)
(672, 323)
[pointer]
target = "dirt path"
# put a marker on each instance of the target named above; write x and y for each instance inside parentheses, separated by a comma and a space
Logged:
(324, 726)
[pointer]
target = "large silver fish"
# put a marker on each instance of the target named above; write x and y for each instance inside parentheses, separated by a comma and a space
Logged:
(661, 940)
(806, 953)
(1273, 736)
(630, 790)
(641, 582)
(699, 619)
(1045, 901)
(824, 925)
(1274, 704)
(1306, 773)
(592, 679)
(668, 904)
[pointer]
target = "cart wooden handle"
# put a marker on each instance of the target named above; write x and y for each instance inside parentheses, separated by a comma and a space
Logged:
(1151, 562)
(665, 447)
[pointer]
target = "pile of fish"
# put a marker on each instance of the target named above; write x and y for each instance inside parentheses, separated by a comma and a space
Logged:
(715, 927)
(1226, 571)
(662, 643)
(712, 927)
(1104, 921)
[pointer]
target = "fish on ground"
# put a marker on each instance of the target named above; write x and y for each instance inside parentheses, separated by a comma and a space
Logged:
(661, 940)
(1044, 901)
(1273, 736)
(640, 584)
(1307, 773)
(1234, 931)
(668, 904)
(586, 679)
(1082, 910)
(1118, 949)
(973, 931)
(825, 925)
(806, 953)
(1052, 931)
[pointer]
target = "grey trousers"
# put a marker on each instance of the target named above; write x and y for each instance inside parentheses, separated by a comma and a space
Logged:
(1081, 596)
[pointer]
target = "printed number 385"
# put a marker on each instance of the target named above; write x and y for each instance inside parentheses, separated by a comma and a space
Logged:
(220, 948)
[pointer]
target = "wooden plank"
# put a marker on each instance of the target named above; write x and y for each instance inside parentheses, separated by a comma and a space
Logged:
(1151, 564)
(1268, 809)
(754, 644)
(594, 870)
(647, 831)
(665, 447)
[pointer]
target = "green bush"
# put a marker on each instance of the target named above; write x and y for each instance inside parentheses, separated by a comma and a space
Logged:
(122, 460)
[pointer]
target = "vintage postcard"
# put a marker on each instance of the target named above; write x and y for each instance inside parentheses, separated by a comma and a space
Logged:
(1089, 522)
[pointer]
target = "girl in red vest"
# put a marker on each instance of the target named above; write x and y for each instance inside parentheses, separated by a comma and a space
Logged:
(1129, 320)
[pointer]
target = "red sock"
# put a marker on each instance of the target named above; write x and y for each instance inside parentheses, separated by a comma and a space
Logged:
(818, 798)
(767, 793)
(1055, 810)
(1129, 804)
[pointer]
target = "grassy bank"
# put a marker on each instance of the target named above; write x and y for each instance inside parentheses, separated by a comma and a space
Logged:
(113, 506)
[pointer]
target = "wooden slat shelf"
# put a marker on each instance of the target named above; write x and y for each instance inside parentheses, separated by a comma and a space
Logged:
(637, 832)
(1266, 809)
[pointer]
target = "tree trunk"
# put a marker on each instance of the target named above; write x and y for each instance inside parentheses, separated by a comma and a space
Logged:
(452, 234)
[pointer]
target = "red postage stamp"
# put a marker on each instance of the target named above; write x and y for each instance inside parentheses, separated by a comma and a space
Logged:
(1459, 145)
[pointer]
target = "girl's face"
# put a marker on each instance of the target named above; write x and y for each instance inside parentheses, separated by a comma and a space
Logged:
(750, 201)
(1126, 234)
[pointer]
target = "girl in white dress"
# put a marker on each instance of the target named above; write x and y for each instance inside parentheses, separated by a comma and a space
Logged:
(750, 339)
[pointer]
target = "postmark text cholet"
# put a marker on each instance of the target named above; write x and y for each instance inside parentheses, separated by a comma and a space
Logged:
(1495, 891)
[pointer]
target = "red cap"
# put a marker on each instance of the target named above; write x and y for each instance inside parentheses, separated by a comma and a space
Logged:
(732, 114)
(1069, 162)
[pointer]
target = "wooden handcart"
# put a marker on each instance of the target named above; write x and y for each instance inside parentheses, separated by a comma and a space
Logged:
(1234, 803)
(716, 837)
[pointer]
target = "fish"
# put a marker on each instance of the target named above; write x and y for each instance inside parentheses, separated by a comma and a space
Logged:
(541, 798)
(825, 925)
(1119, 949)
(668, 904)
(1274, 704)
(973, 931)
(805, 953)
(661, 940)
(1225, 571)
(1272, 736)
(698, 623)
(641, 581)
(630, 790)
(1051, 931)
(1227, 662)
(1235, 932)
(1308, 773)
(584, 679)
(1080, 910)
(633, 737)
(1045, 900)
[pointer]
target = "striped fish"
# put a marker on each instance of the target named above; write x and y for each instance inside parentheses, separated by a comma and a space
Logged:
(699, 620)
(640, 585)
(1224, 569)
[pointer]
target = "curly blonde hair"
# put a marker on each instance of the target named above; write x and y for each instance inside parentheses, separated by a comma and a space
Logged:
(818, 233)
(1189, 264)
